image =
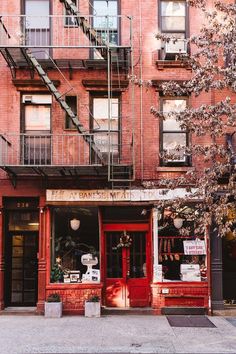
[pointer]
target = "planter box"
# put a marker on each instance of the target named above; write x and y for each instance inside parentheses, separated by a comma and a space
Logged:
(92, 309)
(53, 309)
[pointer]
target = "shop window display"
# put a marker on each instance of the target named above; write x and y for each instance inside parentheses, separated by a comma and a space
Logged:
(75, 245)
(181, 254)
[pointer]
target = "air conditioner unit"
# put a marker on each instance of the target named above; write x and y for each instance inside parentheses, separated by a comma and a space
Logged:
(176, 47)
(27, 99)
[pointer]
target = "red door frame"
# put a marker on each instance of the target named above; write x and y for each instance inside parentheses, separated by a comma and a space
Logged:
(128, 227)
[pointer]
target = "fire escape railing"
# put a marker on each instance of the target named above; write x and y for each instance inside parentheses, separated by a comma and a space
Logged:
(24, 31)
(61, 150)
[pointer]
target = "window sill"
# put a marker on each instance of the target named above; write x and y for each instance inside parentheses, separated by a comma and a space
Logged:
(175, 168)
(161, 64)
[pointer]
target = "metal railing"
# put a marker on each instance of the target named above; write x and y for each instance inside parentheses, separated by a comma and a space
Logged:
(63, 149)
(54, 31)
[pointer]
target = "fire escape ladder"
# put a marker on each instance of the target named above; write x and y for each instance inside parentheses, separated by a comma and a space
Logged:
(63, 104)
(94, 37)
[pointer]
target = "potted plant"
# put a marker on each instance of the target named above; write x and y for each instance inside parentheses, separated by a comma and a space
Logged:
(53, 306)
(93, 307)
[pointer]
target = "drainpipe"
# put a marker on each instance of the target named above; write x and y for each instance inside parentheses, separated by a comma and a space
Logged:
(141, 88)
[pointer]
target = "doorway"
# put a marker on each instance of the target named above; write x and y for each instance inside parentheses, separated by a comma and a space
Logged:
(127, 265)
(21, 263)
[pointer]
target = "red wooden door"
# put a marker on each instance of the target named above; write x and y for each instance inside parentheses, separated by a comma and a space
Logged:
(127, 269)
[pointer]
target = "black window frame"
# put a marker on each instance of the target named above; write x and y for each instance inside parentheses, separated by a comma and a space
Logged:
(169, 32)
(97, 94)
(118, 30)
(175, 163)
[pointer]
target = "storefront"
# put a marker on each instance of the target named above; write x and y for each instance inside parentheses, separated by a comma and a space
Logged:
(110, 243)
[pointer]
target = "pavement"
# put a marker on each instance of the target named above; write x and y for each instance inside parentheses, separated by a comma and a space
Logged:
(113, 334)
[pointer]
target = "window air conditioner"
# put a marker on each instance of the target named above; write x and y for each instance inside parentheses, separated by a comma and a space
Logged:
(27, 99)
(178, 47)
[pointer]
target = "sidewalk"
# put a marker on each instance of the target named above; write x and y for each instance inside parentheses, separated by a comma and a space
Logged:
(112, 334)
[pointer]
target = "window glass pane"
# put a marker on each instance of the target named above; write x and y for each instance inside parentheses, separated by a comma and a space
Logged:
(170, 124)
(70, 245)
(171, 140)
(102, 142)
(37, 8)
(138, 255)
(173, 23)
(102, 9)
(175, 260)
(173, 8)
(173, 15)
(100, 108)
(22, 221)
(37, 117)
(113, 255)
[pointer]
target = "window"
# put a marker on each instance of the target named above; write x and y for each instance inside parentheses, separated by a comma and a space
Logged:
(100, 124)
(173, 22)
(36, 139)
(75, 233)
(37, 26)
(181, 253)
(101, 9)
(172, 134)
(72, 103)
(69, 20)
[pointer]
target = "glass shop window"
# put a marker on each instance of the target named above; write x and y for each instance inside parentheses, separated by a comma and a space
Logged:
(181, 254)
(75, 245)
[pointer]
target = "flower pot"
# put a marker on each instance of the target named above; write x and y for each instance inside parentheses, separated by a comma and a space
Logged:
(53, 309)
(92, 309)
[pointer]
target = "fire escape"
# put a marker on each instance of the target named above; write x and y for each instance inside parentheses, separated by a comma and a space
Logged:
(27, 48)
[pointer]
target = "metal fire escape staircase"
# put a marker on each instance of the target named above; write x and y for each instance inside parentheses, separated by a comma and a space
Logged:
(52, 88)
(83, 23)
(116, 172)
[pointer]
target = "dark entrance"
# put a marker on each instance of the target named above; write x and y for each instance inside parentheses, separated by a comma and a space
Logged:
(229, 270)
(22, 269)
(21, 266)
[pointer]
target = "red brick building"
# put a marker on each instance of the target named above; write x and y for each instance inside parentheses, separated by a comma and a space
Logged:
(78, 144)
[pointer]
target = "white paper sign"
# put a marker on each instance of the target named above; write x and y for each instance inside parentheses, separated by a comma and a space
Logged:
(194, 247)
(190, 272)
(157, 272)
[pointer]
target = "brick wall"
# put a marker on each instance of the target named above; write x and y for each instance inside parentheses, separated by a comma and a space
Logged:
(145, 25)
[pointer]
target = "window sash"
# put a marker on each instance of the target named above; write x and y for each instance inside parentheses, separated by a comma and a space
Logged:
(101, 9)
(173, 16)
(172, 134)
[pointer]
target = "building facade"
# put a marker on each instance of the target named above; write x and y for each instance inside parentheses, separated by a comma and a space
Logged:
(80, 151)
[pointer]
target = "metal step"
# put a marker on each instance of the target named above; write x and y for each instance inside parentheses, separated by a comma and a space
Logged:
(52, 88)
(83, 23)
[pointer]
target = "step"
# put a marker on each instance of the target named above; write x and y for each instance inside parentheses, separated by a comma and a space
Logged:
(18, 311)
(124, 311)
(183, 310)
